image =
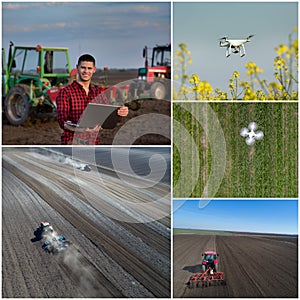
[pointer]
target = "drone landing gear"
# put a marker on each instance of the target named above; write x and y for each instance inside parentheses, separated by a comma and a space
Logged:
(242, 50)
(228, 51)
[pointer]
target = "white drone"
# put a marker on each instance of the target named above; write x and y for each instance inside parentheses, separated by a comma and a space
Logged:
(236, 46)
(250, 134)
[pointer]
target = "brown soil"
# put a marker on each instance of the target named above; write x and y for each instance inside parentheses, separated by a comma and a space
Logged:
(253, 266)
(46, 131)
(108, 258)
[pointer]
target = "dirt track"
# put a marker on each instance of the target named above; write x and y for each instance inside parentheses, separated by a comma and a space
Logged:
(254, 266)
(108, 258)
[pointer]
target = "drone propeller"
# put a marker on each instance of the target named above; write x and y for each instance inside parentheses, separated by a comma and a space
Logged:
(223, 38)
(252, 126)
(244, 132)
(259, 135)
(250, 141)
(250, 36)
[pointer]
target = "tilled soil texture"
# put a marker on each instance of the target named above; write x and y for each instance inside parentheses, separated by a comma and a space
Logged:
(253, 265)
(107, 257)
(46, 131)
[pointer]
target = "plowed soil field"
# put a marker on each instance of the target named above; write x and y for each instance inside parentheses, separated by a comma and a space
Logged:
(107, 258)
(46, 131)
(253, 265)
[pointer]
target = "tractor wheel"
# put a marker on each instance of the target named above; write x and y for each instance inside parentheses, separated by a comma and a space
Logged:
(17, 105)
(203, 268)
(216, 267)
(158, 91)
(134, 105)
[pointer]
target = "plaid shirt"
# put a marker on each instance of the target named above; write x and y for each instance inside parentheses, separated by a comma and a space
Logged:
(71, 103)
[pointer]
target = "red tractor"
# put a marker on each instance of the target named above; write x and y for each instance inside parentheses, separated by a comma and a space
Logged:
(210, 274)
(154, 79)
(210, 261)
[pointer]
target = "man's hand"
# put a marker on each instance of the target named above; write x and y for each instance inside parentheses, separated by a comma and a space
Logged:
(123, 111)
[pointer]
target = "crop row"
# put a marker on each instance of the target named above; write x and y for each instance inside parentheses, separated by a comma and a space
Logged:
(269, 168)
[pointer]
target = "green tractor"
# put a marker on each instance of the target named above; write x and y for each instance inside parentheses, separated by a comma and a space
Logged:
(31, 80)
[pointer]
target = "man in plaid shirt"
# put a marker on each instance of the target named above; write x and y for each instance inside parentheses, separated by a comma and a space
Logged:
(72, 101)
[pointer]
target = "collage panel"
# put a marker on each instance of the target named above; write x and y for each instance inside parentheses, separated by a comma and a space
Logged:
(122, 177)
(92, 223)
(235, 248)
(239, 150)
(86, 155)
(105, 81)
(235, 160)
(235, 58)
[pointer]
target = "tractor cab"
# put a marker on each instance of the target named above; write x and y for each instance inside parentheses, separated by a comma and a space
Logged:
(37, 65)
(160, 64)
(154, 79)
(161, 56)
(31, 80)
(209, 260)
(210, 256)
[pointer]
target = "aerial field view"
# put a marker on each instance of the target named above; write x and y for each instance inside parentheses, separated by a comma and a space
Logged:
(72, 229)
(208, 138)
(246, 264)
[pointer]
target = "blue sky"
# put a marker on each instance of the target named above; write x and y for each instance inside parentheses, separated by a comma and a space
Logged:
(114, 32)
(200, 25)
(271, 216)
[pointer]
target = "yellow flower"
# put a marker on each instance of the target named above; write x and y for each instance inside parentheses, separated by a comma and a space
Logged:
(282, 49)
(253, 68)
(249, 95)
(235, 74)
(295, 45)
(279, 63)
(195, 79)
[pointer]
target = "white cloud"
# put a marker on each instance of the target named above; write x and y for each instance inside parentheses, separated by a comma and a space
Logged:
(58, 25)
(18, 6)
(146, 9)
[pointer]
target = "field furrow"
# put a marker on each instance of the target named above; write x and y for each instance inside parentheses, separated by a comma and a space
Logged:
(253, 266)
(267, 169)
(108, 258)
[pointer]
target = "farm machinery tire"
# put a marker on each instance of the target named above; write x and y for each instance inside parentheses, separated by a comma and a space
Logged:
(216, 268)
(16, 104)
(158, 91)
(134, 105)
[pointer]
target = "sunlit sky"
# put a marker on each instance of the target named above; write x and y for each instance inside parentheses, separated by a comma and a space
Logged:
(264, 216)
(114, 32)
(201, 24)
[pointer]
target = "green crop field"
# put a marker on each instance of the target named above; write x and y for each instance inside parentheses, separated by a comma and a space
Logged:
(267, 169)
(200, 231)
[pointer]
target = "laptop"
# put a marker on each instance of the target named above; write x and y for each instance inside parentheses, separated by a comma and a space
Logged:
(99, 114)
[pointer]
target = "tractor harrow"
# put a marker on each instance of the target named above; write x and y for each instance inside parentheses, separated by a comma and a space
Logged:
(208, 278)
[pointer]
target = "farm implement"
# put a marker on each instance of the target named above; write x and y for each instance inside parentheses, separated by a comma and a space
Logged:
(208, 278)
(210, 274)
(52, 242)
